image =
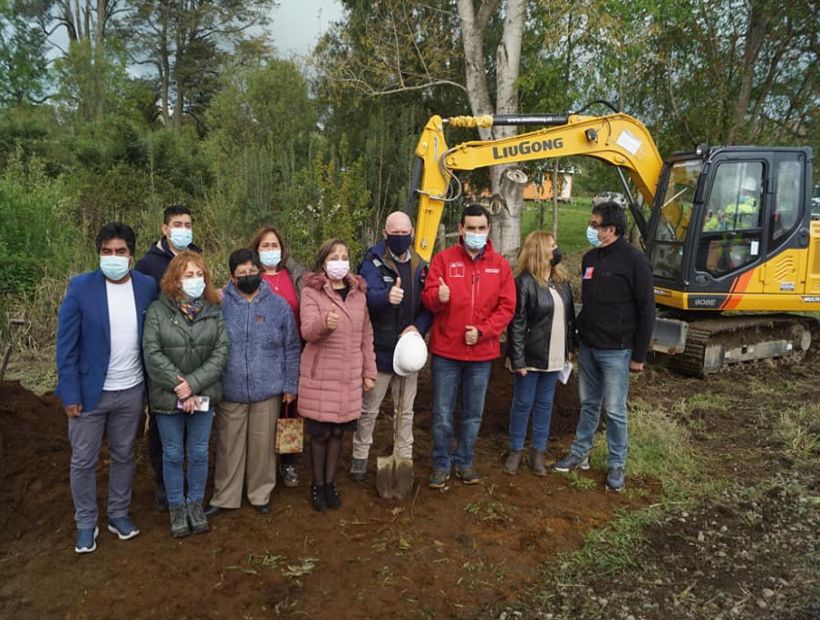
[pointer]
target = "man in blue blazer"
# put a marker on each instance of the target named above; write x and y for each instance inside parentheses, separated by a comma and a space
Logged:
(100, 379)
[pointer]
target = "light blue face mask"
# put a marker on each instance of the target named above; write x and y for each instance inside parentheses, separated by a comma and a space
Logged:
(114, 267)
(270, 258)
(181, 237)
(193, 287)
(592, 237)
(475, 241)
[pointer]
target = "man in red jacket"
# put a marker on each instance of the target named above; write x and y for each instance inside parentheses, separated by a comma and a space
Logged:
(471, 292)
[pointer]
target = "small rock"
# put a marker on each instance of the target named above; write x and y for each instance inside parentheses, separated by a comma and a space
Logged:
(767, 593)
(762, 604)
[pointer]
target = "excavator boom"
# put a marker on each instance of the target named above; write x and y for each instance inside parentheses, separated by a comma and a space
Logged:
(617, 139)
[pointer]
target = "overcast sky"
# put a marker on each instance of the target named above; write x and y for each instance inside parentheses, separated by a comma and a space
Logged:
(297, 24)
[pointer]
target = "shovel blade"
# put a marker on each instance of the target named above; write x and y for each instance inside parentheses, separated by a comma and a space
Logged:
(394, 477)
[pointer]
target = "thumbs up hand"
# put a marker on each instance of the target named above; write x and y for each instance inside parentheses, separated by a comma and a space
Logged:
(332, 320)
(396, 293)
(443, 291)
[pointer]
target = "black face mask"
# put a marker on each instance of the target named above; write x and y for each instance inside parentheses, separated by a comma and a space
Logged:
(398, 244)
(556, 256)
(248, 284)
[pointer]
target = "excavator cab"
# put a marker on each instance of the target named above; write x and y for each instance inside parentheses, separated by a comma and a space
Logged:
(730, 228)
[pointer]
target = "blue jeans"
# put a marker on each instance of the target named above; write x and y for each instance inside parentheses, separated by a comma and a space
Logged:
(172, 430)
(603, 378)
(533, 392)
(448, 376)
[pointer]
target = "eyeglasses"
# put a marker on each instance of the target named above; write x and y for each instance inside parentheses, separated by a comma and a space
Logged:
(596, 225)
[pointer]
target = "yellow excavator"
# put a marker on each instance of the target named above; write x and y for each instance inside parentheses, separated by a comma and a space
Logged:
(734, 251)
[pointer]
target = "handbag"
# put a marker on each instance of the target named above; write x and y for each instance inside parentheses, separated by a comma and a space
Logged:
(290, 432)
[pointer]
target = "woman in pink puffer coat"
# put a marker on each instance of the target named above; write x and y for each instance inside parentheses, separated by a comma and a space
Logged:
(338, 362)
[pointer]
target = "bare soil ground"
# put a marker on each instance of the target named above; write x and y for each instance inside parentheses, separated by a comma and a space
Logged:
(489, 550)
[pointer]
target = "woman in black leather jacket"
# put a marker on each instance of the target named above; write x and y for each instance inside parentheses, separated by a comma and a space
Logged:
(539, 339)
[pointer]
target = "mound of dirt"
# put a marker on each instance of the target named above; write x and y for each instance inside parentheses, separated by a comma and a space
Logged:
(33, 457)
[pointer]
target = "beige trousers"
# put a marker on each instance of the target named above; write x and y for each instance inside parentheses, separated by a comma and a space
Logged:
(245, 436)
(371, 402)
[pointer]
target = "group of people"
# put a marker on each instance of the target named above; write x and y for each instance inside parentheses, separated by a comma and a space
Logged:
(279, 339)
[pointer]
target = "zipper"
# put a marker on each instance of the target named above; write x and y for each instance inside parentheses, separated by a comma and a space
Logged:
(474, 290)
(247, 346)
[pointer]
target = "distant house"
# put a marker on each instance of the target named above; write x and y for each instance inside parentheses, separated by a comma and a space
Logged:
(544, 191)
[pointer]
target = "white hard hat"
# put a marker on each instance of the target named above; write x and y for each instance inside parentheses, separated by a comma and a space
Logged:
(749, 185)
(410, 354)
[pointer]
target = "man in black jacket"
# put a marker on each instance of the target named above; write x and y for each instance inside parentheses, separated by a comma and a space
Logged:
(614, 326)
(177, 236)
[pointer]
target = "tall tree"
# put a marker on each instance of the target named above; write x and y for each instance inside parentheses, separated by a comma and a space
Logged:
(23, 62)
(188, 42)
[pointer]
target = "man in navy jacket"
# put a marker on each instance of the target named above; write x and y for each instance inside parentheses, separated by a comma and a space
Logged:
(177, 236)
(100, 379)
(395, 277)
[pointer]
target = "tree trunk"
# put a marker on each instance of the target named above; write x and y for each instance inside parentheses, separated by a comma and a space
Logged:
(165, 64)
(506, 230)
(759, 16)
(506, 225)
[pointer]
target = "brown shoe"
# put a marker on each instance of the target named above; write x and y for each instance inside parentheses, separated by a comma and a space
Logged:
(512, 462)
(537, 462)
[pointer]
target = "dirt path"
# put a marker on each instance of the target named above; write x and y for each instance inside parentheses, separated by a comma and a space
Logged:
(464, 552)
(437, 554)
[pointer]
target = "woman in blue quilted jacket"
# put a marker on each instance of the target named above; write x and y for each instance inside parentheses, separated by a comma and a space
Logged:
(262, 373)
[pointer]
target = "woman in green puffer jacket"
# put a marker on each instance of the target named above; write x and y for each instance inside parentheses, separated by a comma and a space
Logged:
(185, 344)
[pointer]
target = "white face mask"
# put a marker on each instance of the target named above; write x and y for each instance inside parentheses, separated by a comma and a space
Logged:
(270, 258)
(337, 269)
(592, 237)
(193, 287)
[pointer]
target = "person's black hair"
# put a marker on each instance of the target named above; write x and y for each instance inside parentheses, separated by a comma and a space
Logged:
(612, 214)
(473, 210)
(175, 209)
(117, 230)
(242, 256)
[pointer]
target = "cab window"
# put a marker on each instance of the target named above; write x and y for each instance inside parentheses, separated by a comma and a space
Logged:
(730, 237)
(786, 212)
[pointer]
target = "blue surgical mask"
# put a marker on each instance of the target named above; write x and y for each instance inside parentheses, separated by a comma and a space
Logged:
(270, 258)
(592, 237)
(181, 237)
(193, 287)
(114, 267)
(475, 241)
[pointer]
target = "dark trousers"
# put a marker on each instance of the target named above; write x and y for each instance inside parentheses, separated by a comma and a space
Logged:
(155, 449)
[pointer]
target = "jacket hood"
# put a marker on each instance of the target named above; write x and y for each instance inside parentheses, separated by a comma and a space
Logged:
(319, 280)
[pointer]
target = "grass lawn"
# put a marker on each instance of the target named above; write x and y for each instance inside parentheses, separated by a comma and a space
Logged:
(572, 223)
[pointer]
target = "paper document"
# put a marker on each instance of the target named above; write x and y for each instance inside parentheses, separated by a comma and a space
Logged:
(566, 371)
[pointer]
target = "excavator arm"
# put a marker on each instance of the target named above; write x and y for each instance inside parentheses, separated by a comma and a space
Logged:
(617, 139)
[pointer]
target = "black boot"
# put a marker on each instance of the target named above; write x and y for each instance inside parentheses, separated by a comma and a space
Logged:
(179, 521)
(317, 497)
(332, 498)
(197, 518)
